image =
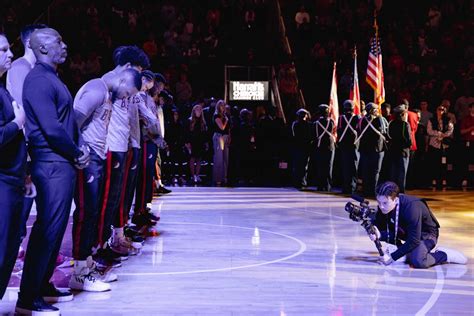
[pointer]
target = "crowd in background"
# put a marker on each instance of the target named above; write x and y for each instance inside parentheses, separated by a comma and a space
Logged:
(116, 145)
(182, 38)
(429, 63)
(427, 47)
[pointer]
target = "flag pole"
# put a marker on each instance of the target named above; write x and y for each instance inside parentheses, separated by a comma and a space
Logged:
(376, 27)
(355, 97)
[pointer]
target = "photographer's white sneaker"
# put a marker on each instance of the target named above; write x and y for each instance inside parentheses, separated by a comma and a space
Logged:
(454, 256)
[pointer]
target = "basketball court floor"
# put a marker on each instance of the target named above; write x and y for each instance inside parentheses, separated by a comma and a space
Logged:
(272, 251)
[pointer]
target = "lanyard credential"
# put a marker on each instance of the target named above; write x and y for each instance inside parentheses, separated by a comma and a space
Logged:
(397, 212)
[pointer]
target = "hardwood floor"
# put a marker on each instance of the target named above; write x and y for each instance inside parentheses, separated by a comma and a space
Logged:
(270, 251)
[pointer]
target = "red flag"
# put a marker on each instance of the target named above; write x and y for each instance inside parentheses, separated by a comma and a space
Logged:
(355, 94)
(374, 75)
(333, 102)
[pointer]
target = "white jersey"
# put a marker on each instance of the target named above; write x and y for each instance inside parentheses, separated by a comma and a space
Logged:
(148, 116)
(94, 130)
(133, 106)
(119, 127)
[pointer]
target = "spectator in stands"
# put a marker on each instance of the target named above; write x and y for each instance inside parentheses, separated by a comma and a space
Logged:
(447, 105)
(461, 107)
(467, 135)
(425, 114)
(193, 52)
(170, 41)
(396, 62)
(93, 67)
(440, 130)
(448, 89)
(175, 135)
(150, 47)
(221, 141)
(184, 91)
(186, 37)
(196, 141)
(210, 41)
(77, 64)
(418, 166)
(434, 17)
(301, 17)
(213, 17)
(249, 18)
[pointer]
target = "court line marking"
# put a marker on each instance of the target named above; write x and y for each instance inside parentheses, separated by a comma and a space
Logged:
(301, 249)
(437, 290)
(428, 305)
(435, 294)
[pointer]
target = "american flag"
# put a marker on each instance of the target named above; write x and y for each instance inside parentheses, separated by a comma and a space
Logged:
(333, 102)
(374, 75)
(355, 94)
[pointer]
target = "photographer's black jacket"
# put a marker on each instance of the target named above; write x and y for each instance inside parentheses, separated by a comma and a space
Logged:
(416, 223)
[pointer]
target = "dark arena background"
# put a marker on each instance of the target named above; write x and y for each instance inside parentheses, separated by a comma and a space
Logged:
(302, 104)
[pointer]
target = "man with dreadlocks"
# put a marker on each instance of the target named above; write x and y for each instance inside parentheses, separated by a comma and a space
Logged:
(408, 218)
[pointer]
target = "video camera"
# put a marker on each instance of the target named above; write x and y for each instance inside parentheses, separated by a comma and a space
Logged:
(365, 214)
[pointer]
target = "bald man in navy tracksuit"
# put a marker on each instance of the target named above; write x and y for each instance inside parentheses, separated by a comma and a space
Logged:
(55, 150)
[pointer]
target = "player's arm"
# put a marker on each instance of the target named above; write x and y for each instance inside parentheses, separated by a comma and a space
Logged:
(15, 80)
(85, 106)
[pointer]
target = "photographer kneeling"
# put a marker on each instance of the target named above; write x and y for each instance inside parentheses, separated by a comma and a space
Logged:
(408, 218)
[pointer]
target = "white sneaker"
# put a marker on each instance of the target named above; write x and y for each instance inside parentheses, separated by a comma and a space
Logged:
(454, 256)
(128, 242)
(86, 281)
(135, 244)
(124, 245)
(104, 275)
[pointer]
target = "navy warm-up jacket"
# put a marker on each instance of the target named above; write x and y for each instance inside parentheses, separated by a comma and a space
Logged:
(12, 143)
(51, 127)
